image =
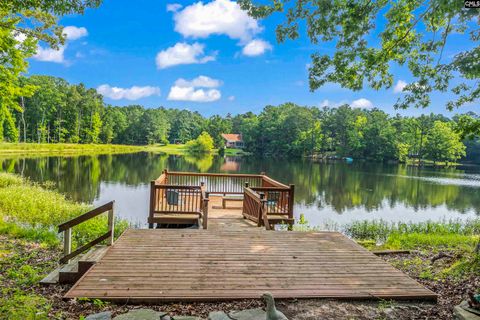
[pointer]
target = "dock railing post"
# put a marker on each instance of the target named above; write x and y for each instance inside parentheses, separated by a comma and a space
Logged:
(152, 204)
(205, 211)
(111, 224)
(290, 205)
(67, 242)
(263, 218)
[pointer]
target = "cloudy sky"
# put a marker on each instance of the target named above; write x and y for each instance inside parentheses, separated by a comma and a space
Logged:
(207, 56)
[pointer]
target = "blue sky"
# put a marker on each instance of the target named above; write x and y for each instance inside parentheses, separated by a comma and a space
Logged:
(203, 56)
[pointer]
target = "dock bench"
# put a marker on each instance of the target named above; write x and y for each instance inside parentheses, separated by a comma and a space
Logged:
(238, 198)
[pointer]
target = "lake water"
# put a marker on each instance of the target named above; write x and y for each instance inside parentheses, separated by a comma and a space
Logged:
(326, 193)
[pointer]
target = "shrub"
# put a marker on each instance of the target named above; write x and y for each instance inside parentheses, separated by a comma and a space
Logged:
(203, 144)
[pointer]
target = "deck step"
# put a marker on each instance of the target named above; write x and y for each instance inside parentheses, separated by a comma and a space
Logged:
(71, 272)
(90, 258)
(68, 273)
(51, 278)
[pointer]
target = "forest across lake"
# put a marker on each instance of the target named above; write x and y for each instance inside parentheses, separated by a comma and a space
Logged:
(328, 194)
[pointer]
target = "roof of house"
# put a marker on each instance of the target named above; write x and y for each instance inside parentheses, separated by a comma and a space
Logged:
(232, 137)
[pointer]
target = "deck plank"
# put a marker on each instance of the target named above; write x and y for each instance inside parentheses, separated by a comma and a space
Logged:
(234, 259)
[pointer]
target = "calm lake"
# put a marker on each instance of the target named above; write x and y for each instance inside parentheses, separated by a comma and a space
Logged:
(326, 193)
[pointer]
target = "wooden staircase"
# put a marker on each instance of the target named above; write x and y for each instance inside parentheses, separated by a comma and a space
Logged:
(71, 272)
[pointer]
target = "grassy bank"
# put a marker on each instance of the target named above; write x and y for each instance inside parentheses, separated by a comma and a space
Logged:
(30, 245)
(180, 149)
(66, 149)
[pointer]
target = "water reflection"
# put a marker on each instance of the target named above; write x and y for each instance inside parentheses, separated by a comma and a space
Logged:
(326, 193)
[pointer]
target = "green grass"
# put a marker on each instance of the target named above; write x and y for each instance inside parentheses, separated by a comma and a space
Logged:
(28, 210)
(180, 149)
(66, 148)
(70, 149)
(174, 149)
(380, 230)
(30, 244)
(235, 152)
(23, 264)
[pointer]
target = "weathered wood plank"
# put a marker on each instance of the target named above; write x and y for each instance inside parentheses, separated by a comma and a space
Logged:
(222, 264)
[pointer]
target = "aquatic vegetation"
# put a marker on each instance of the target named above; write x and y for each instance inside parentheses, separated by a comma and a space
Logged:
(28, 210)
(381, 230)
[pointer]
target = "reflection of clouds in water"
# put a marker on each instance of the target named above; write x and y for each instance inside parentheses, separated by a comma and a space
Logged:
(131, 203)
(328, 216)
(467, 180)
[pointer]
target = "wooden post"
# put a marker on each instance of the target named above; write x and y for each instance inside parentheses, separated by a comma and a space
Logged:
(263, 212)
(165, 171)
(67, 242)
(152, 204)
(111, 225)
(261, 209)
(290, 205)
(205, 211)
(291, 200)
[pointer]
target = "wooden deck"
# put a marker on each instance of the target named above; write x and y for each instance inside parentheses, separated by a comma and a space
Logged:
(233, 259)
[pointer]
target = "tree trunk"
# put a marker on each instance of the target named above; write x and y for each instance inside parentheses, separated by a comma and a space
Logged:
(23, 121)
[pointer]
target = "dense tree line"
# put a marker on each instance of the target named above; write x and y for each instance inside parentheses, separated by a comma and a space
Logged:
(63, 112)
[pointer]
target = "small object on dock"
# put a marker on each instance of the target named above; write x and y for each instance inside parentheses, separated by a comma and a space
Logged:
(272, 312)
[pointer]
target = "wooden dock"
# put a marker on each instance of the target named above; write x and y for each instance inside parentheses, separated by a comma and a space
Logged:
(235, 259)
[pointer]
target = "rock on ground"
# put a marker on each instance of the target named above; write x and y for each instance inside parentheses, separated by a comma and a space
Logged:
(107, 315)
(141, 314)
(249, 314)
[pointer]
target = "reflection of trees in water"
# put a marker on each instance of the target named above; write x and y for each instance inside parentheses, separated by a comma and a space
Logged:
(339, 185)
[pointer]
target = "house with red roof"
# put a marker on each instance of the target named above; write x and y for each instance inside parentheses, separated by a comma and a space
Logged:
(233, 140)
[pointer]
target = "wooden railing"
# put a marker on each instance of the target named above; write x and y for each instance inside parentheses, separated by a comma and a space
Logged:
(277, 200)
(263, 196)
(66, 228)
(177, 199)
(215, 183)
(253, 206)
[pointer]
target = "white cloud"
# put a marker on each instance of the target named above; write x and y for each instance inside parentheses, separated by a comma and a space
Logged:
(256, 47)
(182, 53)
(200, 81)
(361, 103)
(50, 55)
(133, 93)
(332, 104)
(74, 33)
(174, 7)
(231, 98)
(221, 17)
(192, 94)
(399, 86)
(187, 90)
(57, 55)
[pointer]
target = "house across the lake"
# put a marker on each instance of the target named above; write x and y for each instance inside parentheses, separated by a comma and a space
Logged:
(233, 140)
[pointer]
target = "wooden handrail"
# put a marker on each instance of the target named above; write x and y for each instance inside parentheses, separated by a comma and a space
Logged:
(176, 186)
(240, 175)
(66, 227)
(274, 182)
(86, 216)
